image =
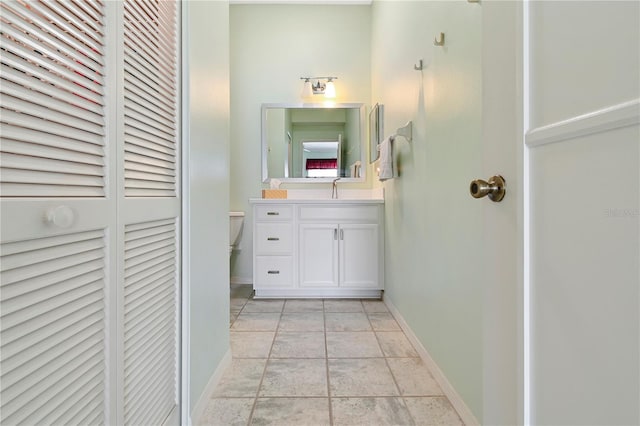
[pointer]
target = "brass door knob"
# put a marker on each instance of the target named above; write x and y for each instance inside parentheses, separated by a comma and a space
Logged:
(495, 188)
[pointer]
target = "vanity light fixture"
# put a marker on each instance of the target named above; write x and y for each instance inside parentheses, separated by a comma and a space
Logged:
(328, 89)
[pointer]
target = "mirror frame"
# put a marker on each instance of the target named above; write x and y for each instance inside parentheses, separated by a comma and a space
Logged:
(364, 144)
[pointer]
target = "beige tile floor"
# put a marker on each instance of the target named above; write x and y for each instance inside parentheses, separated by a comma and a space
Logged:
(323, 362)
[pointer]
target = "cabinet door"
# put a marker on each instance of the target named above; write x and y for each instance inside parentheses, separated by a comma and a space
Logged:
(359, 255)
(318, 255)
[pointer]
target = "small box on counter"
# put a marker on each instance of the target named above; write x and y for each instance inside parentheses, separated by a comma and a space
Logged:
(274, 193)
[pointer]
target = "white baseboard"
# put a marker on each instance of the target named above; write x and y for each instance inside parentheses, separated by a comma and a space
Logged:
(201, 405)
(241, 280)
(456, 400)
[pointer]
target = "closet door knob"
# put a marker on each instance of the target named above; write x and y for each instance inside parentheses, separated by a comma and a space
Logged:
(495, 188)
(60, 216)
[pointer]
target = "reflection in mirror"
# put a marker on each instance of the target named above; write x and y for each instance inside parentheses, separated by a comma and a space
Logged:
(306, 143)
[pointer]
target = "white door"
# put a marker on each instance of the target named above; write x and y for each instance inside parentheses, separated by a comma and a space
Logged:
(582, 119)
(148, 211)
(89, 241)
(57, 224)
(319, 255)
(359, 256)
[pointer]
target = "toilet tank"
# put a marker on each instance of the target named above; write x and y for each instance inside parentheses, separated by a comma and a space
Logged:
(235, 225)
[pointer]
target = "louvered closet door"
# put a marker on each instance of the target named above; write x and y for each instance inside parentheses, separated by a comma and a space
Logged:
(57, 224)
(150, 209)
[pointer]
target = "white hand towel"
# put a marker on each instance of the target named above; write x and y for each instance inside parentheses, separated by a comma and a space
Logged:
(386, 159)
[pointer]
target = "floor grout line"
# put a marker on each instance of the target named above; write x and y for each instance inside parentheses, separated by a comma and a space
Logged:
(326, 364)
(279, 332)
(264, 372)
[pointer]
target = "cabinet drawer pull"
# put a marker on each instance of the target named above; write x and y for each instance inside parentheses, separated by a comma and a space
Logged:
(273, 272)
(335, 234)
(273, 239)
(342, 234)
(273, 213)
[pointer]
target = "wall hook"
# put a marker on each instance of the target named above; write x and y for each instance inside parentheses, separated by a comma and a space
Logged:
(439, 40)
(418, 66)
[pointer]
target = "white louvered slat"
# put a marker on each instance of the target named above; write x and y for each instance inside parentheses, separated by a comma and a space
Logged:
(41, 322)
(35, 103)
(15, 305)
(52, 337)
(50, 12)
(150, 185)
(91, 390)
(30, 368)
(22, 162)
(32, 150)
(15, 343)
(137, 121)
(47, 127)
(145, 343)
(83, 415)
(41, 44)
(164, 43)
(145, 226)
(151, 142)
(48, 191)
(34, 14)
(42, 388)
(44, 112)
(141, 86)
(152, 169)
(144, 114)
(144, 236)
(148, 370)
(149, 57)
(52, 94)
(28, 141)
(18, 58)
(66, 12)
(56, 240)
(139, 312)
(147, 257)
(43, 178)
(40, 347)
(23, 80)
(150, 321)
(150, 87)
(147, 176)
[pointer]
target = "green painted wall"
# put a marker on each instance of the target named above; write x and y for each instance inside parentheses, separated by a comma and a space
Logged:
(272, 46)
(433, 239)
(207, 124)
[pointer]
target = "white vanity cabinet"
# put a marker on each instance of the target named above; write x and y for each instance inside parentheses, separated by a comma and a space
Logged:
(336, 248)
(273, 246)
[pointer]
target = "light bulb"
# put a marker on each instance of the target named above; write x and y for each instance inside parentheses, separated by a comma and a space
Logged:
(330, 90)
(307, 92)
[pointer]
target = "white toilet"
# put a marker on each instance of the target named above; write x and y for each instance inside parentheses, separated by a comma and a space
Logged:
(235, 225)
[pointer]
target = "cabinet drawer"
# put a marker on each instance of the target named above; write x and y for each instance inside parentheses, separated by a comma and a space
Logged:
(274, 271)
(274, 238)
(357, 213)
(273, 212)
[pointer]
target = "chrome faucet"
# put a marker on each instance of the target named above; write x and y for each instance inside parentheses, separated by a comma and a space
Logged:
(334, 191)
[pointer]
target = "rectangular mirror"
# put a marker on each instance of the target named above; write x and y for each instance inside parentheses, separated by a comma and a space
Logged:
(376, 131)
(313, 142)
